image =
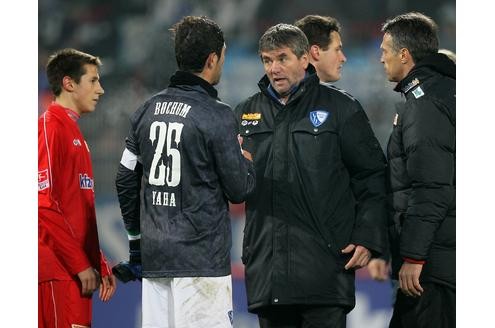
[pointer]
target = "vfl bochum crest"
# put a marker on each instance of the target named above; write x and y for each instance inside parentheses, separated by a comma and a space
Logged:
(318, 117)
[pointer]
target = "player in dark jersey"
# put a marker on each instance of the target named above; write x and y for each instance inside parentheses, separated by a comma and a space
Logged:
(182, 149)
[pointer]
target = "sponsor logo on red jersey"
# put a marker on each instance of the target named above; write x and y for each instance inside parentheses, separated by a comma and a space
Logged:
(43, 181)
(85, 182)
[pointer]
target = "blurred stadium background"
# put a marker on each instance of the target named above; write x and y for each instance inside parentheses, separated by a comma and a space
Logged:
(132, 39)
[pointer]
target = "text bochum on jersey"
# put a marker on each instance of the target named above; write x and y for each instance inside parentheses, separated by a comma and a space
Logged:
(162, 173)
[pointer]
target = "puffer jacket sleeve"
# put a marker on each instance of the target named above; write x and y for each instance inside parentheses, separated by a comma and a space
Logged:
(365, 162)
(428, 138)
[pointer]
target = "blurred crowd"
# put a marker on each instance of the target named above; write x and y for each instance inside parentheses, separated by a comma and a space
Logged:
(132, 39)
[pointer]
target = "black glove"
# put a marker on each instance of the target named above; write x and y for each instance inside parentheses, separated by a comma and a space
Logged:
(126, 271)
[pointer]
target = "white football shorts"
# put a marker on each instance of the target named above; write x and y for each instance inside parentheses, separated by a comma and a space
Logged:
(197, 302)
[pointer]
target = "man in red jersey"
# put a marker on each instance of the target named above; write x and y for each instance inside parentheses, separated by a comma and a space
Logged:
(71, 265)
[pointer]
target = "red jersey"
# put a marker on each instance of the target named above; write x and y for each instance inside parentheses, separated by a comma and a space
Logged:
(67, 233)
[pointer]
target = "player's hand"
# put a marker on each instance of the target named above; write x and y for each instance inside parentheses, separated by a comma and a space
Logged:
(359, 259)
(107, 287)
(409, 279)
(90, 281)
(378, 269)
(245, 153)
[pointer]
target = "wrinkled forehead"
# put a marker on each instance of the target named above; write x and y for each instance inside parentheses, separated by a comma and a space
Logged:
(283, 51)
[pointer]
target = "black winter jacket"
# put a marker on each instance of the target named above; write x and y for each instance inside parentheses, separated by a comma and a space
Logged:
(421, 155)
(186, 141)
(320, 185)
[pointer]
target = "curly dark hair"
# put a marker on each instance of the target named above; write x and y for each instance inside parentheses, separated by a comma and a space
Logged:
(67, 62)
(195, 39)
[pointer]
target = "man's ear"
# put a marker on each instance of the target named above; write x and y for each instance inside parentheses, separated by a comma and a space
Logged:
(211, 60)
(305, 59)
(68, 83)
(405, 56)
(314, 52)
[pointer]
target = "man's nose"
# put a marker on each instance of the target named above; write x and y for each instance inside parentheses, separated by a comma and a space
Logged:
(275, 67)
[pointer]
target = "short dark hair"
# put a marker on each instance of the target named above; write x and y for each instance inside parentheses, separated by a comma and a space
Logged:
(318, 28)
(195, 39)
(414, 31)
(284, 35)
(67, 62)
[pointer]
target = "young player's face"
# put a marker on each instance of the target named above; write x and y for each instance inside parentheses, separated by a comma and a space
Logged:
(284, 69)
(391, 60)
(87, 92)
(330, 63)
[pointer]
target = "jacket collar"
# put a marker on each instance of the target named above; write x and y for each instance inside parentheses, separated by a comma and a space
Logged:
(310, 79)
(186, 78)
(424, 69)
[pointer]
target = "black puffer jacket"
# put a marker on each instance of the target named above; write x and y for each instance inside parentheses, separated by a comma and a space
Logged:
(421, 155)
(320, 186)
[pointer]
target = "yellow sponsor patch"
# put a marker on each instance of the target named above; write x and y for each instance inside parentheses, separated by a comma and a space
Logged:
(251, 116)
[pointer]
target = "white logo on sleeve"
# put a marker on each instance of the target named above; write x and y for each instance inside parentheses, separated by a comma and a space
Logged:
(418, 92)
(43, 181)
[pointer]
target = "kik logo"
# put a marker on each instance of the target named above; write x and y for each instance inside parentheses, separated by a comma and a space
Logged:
(85, 182)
